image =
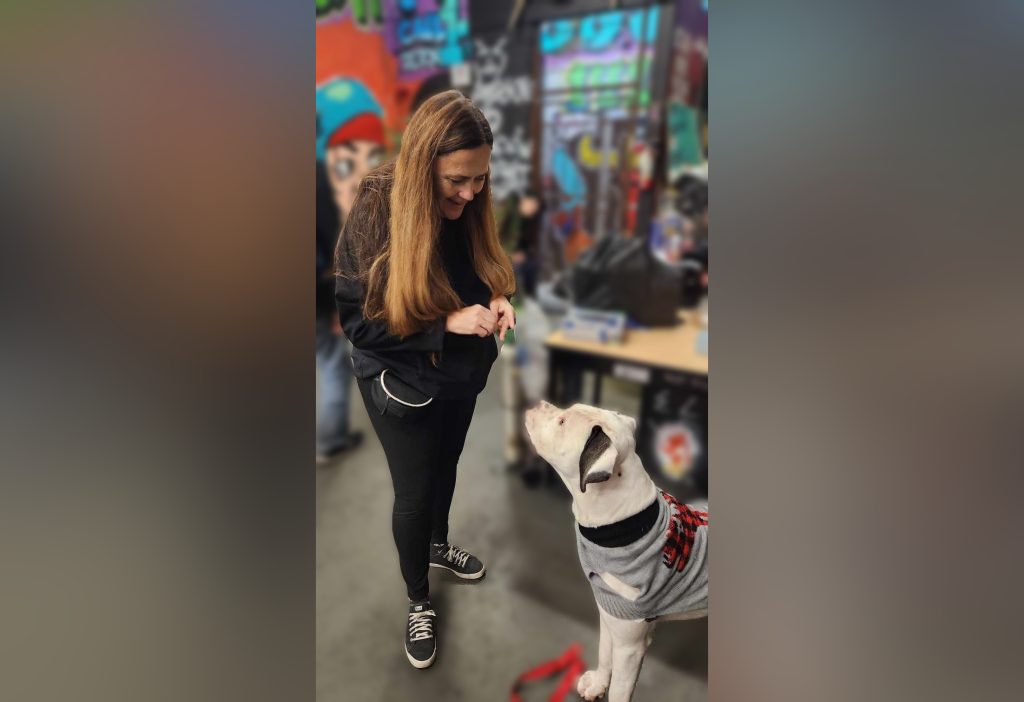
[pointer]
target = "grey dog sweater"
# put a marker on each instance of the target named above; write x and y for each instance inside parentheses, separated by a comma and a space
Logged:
(668, 564)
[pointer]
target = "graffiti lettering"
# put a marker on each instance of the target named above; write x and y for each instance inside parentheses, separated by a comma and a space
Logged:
(514, 146)
(494, 88)
(419, 59)
(505, 100)
(501, 92)
(420, 28)
(555, 36)
(427, 34)
(510, 164)
(572, 125)
(592, 75)
(598, 33)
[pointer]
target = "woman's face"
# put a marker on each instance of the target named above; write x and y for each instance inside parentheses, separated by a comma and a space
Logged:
(459, 177)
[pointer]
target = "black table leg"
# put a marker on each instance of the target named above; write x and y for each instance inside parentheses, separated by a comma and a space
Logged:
(554, 369)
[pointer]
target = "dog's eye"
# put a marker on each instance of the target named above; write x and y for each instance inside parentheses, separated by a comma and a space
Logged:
(561, 421)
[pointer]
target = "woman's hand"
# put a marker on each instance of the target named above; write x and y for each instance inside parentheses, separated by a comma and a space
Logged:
(506, 315)
(475, 319)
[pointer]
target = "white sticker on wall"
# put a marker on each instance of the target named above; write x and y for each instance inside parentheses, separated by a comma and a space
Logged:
(461, 75)
(638, 374)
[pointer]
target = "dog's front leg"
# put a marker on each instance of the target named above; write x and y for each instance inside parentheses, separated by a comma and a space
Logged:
(629, 644)
(594, 683)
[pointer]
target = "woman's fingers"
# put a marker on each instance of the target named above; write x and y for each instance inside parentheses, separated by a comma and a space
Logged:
(487, 315)
(508, 312)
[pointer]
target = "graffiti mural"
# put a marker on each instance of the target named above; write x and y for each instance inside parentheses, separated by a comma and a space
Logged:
(349, 136)
(365, 13)
(363, 100)
(502, 89)
(427, 35)
(610, 50)
(595, 91)
(345, 49)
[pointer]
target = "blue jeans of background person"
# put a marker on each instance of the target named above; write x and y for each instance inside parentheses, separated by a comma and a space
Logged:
(334, 370)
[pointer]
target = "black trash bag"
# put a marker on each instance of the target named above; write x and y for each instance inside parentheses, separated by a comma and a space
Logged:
(623, 275)
(692, 273)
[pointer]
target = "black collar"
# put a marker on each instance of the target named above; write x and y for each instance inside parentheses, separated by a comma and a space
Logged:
(625, 532)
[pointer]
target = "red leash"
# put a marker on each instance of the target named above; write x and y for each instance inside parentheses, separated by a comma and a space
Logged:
(570, 662)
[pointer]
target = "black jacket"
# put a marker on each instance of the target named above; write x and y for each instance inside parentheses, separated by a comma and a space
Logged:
(328, 224)
(464, 361)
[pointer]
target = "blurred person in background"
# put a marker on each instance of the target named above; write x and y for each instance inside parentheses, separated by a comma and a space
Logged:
(520, 235)
(692, 201)
(422, 286)
(333, 364)
(350, 142)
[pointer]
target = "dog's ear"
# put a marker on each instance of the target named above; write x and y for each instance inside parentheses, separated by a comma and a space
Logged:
(597, 459)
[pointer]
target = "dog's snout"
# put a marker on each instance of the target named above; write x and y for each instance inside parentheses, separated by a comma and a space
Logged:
(539, 414)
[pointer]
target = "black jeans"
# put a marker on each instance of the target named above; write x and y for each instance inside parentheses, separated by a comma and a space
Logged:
(423, 452)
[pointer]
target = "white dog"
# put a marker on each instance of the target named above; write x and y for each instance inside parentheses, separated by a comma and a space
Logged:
(644, 553)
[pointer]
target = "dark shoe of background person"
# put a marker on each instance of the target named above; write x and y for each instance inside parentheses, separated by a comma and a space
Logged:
(352, 441)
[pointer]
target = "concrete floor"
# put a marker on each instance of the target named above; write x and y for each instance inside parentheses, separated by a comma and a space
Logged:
(532, 604)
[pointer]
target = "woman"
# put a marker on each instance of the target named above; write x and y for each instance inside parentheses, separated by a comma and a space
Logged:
(421, 290)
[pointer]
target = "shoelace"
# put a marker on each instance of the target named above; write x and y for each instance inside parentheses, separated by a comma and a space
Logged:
(421, 625)
(457, 556)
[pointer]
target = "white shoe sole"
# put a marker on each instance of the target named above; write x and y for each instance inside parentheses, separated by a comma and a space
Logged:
(464, 576)
(421, 664)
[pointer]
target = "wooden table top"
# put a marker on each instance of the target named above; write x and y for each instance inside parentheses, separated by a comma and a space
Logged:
(664, 347)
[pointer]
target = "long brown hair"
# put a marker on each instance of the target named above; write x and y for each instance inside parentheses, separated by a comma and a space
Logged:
(405, 280)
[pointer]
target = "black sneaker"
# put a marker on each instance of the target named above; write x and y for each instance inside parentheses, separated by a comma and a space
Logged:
(465, 565)
(420, 644)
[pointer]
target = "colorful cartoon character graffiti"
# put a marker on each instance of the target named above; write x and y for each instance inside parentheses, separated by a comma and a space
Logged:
(349, 136)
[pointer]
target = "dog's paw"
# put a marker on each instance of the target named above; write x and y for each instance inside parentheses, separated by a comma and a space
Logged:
(593, 684)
